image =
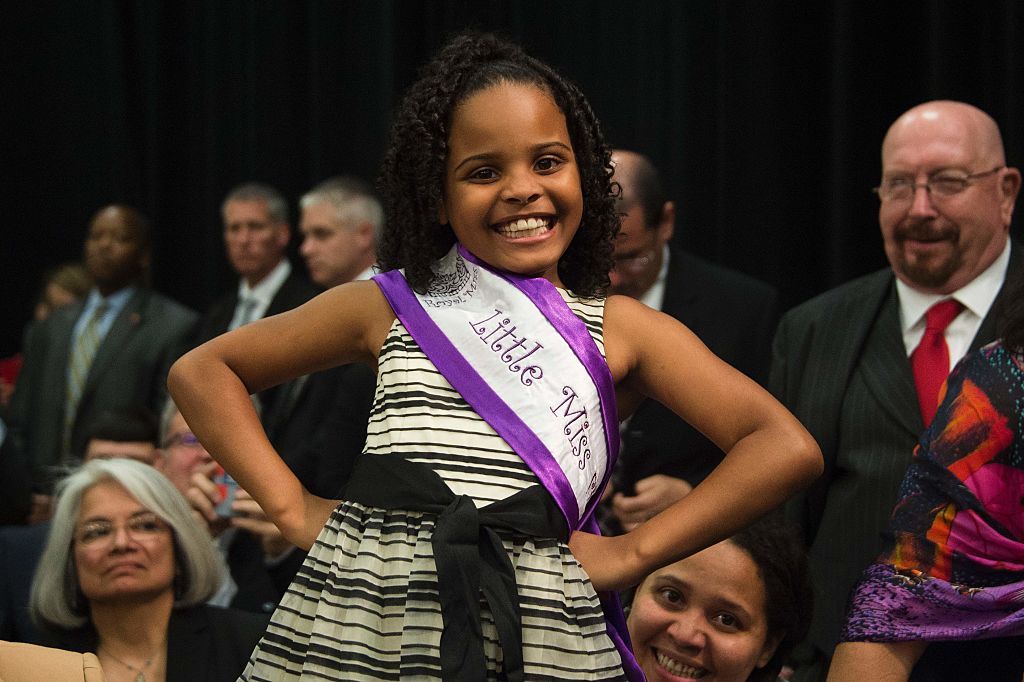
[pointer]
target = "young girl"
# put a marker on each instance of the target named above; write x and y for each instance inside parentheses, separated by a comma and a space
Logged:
(456, 553)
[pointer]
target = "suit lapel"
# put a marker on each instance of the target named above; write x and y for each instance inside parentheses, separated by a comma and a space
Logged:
(886, 370)
(989, 328)
(680, 302)
(222, 319)
(681, 295)
(281, 300)
(188, 645)
(843, 328)
(124, 326)
(64, 329)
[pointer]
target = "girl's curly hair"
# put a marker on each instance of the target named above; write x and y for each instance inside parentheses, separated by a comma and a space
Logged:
(412, 173)
(778, 552)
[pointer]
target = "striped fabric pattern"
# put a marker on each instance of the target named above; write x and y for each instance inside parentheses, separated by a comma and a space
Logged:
(82, 354)
(365, 606)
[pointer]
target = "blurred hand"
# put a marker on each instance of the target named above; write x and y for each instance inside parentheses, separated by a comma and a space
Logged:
(653, 494)
(249, 515)
(203, 495)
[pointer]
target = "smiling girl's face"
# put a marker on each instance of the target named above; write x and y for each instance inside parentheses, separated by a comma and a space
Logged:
(512, 189)
(702, 618)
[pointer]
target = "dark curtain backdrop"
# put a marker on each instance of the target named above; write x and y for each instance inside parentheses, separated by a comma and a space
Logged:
(764, 116)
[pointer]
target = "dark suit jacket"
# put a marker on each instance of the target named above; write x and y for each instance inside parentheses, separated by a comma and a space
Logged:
(15, 484)
(204, 643)
(735, 316)
(295, 290)
(20, 550)
(260, 587)
(321, 429)
(129, 370)
(842, 343)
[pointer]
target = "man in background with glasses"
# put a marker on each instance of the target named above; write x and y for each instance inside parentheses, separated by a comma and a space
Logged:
(861, 365)
(261, 563)
(662, 456)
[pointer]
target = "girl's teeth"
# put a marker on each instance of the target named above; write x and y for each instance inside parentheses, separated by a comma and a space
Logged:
(524, 227)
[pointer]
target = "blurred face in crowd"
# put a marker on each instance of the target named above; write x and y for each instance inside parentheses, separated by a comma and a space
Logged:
(255, 242)
(140, 451)
(937, 241)
(57, 296)
(122, 550)
(702, 618)
(639, 246)
(334, 249)
(183, 453)
(114, 253)
(54, 296)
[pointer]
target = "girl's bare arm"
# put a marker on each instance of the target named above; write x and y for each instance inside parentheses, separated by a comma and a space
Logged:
(769, 454)
(211, 386)
(881, 661)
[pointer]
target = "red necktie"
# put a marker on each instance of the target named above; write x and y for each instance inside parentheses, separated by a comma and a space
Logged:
(930, 360)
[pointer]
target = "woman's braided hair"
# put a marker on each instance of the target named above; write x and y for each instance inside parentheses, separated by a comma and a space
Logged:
(412, 173)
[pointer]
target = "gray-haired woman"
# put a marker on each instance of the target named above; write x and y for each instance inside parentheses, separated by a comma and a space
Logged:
(125, 574)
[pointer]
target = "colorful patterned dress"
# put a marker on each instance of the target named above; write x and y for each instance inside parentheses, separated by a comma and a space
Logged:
(954, 569)
(365, 605)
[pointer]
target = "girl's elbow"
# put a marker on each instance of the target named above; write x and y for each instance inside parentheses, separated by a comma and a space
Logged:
(808, 456)
(178, 378)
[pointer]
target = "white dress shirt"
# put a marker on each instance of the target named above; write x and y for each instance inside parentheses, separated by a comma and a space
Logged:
(261, 294)
(977, 298)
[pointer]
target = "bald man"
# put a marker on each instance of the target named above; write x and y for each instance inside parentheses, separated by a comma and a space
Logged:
(110, 351)
(844, 362)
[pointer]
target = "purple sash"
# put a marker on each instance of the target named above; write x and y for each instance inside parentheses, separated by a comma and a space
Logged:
(480, 395)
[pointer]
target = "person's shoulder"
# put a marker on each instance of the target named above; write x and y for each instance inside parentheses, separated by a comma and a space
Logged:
(60, 321)
(231, 634)
(856, 291)
(245, 623)
(718, 277)
(627, 314)
(32, 536)
(167, 307)
(21, 661)
(299, 283)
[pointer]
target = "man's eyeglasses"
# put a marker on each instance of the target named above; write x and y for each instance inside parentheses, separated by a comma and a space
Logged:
(141, 526)
(943, 184)
(185, 439)
(635, 263)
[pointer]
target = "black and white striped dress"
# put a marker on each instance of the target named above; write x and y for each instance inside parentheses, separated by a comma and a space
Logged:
(364, 606)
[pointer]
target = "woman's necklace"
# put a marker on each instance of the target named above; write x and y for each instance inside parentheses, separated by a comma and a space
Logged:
(140, 670)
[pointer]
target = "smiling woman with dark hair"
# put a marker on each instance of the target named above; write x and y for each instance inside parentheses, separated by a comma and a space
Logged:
(125, 574)
(731, 613)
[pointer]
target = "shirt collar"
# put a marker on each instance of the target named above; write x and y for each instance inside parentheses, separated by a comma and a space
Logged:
(978, 295)
(266, 288)
(368, 273)
(114, 301)
(655, 296)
